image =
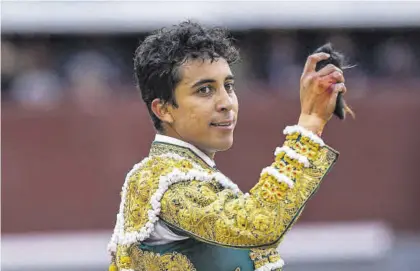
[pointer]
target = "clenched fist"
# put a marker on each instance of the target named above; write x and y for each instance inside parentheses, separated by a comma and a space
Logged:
(318, 93)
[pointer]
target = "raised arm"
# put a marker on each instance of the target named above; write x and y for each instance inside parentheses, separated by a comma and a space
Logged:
(217, 215)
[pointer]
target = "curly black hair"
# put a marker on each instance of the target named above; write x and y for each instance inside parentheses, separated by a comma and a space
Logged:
(158, 58)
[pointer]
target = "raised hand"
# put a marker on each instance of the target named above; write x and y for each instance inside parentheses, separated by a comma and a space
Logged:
(318, 93)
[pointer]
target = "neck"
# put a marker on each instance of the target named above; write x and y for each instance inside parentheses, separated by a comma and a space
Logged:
(210, 154)
(168, 131)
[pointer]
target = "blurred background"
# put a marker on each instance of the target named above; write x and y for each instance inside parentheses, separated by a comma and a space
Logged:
(73, 124)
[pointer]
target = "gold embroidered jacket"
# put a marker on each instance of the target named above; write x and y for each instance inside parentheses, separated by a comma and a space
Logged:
(176, 186)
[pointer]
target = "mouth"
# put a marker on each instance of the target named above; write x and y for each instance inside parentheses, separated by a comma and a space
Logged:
(229, 124)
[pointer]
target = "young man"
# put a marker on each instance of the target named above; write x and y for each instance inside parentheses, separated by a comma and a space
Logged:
(177, 211)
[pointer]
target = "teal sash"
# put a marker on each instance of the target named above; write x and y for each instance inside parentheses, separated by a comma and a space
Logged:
(207, 257)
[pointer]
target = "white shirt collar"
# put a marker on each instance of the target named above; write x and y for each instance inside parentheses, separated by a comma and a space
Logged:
(181, 143)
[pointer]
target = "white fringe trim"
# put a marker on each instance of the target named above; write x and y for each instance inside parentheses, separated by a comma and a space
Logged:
(299, 129)
(294, 155)
(128, 238)
(112, 245)
(271, 266)
(119, 225)
(281, 178)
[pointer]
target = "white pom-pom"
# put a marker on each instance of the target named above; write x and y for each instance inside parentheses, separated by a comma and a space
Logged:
(299, 129)
(293, 155)
(281, 178)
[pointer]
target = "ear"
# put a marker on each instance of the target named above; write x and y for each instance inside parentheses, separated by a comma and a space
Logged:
(162, 110)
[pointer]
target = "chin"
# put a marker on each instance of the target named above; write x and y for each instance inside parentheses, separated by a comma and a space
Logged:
(225, 145)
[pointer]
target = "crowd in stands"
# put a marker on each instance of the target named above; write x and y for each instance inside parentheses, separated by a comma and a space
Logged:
(43, 70)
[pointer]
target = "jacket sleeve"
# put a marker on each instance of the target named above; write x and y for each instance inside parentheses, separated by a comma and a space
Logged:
(218, 215)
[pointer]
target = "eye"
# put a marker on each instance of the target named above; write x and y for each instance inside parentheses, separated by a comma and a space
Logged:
(205, 90)
(230, 87)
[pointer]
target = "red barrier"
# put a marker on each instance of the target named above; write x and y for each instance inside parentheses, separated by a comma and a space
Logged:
(63, 169)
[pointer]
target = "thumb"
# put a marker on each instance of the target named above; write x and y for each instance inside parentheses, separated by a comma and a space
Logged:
(337, 88)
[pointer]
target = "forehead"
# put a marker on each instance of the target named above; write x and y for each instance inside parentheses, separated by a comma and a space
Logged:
(196, 69)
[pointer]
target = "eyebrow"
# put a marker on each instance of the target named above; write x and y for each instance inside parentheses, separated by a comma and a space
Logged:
(205, 81)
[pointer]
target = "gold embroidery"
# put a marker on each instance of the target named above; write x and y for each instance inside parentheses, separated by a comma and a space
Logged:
(288, 168)
(261, 257)
(302, 145)
(143, 183)
(319, 168)
(149, 261)
(163, 148)
(213, 214)
(122, 257)
(272, 191)
(217, 216)
(113, 267)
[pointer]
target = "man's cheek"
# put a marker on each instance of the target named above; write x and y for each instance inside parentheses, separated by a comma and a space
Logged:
(193, 116)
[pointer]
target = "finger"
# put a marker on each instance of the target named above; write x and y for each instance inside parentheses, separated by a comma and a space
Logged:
(337, 88)
(310, 64)
(330, 68)
(335, 77)
(338, 77)
(344, 89)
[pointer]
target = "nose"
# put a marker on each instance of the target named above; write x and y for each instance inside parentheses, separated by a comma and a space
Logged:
(224, 102)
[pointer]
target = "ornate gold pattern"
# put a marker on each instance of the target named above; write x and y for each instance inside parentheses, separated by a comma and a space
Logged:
(122, 257)
(302, 145)
(239, 221)
(272, 191)
(163, 148)
(287, 166)
(214, 214)
(149, 261)
(143, 183)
